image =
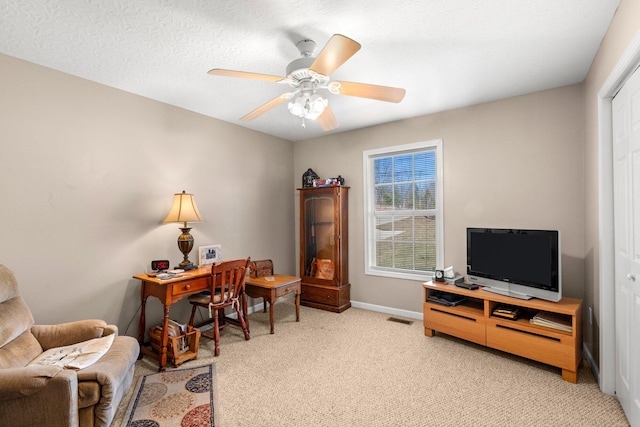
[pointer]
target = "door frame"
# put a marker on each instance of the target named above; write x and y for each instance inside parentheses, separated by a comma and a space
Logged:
(625, 66)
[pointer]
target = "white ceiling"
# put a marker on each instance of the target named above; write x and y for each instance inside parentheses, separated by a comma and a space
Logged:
(446, 54)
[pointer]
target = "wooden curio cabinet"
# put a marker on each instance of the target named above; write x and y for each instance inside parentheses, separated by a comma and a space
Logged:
(324, 248)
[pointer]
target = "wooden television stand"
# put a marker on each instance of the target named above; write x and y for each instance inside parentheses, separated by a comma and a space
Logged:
(472, 320)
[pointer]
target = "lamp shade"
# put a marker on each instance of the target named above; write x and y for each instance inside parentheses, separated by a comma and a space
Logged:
(183, 209)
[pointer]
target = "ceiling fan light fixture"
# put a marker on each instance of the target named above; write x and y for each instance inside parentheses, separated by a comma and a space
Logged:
(308, 107)
(317, 104)
(296, 107)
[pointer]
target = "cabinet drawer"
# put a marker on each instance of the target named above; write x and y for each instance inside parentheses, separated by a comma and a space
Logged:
(286, 290)
(320, 295)
(190, 287)
(551, 349)
(456, 323)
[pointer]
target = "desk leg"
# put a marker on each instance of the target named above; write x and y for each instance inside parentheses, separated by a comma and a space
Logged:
(165, 339)
(142, 321)
(272, 299)
(298, 307)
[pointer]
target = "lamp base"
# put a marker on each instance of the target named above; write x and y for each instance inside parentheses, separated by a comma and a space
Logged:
(185, 244)
(185, 264)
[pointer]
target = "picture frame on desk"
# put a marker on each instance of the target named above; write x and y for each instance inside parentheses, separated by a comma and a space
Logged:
(209, 254)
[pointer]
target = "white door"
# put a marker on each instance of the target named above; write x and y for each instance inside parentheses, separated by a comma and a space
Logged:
(626, 197)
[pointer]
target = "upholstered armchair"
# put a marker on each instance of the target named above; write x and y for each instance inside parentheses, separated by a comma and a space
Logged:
(41, 394)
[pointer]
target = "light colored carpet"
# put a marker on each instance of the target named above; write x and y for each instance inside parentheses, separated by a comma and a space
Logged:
(357, 368)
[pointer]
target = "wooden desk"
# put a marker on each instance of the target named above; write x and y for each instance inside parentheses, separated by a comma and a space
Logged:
(168, 292)
(260, 287)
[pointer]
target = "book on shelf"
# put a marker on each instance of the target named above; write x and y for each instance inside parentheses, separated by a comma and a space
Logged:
(552, 320)
(507, 311)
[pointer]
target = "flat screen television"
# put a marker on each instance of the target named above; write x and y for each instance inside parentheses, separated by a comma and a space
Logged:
(519, 263)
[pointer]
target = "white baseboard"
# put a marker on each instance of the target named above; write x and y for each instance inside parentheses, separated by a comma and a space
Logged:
(363, 305)
(592, 363)
(256, 307)
(388, 310)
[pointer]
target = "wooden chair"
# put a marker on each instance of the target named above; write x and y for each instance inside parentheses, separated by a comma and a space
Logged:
(227, 290)
(261, 268)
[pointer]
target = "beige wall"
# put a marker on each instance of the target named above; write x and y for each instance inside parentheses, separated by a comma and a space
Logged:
(624, 27)
(512, 163)
(88, 174)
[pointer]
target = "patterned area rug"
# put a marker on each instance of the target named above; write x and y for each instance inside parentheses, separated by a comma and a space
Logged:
(178, 397)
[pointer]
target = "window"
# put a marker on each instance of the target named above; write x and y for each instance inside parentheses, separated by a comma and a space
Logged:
(403, 210)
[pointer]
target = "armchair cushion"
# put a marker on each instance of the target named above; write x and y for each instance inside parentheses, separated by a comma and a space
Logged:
(64, 334)
(19, 352)
(76, 356)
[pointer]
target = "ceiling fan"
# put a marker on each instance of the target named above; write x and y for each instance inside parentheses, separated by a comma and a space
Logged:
(307, 75)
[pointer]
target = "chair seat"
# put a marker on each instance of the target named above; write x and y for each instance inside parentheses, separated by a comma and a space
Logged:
(204, 298)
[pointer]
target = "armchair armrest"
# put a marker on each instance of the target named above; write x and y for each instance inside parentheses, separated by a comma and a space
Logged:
(50, 336)
(38, 395)
(18, 382)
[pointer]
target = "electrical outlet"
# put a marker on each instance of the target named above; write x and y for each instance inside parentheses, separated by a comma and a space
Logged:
(590, 315)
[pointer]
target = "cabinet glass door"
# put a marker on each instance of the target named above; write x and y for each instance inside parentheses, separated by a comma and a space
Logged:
(319, 238)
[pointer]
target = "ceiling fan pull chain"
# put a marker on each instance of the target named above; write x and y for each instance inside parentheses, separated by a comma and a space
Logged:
(303, 124)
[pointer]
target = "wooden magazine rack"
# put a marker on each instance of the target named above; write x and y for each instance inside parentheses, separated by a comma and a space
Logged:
(176, 351)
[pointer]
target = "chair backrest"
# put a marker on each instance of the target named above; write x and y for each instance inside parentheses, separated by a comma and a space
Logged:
(17, 344)
(261, 268)
(227, 279)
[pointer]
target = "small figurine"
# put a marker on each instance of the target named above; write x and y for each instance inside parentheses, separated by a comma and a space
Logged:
(308, 177)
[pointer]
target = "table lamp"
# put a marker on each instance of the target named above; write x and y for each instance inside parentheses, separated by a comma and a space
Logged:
(184, 210)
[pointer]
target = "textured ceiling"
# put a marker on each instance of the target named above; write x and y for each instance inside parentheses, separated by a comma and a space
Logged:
(446, 54)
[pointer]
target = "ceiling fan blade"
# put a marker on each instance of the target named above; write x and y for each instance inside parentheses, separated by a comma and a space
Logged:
(335, 53)
(266, 107)
(244, 75)
(327, 119)
(363, 90)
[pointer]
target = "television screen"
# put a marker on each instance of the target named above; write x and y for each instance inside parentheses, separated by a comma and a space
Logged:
(516, 262)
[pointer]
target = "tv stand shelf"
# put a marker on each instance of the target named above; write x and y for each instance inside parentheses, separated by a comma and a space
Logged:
(472, 320)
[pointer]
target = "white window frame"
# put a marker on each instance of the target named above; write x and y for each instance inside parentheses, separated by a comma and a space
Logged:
(368, 158)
